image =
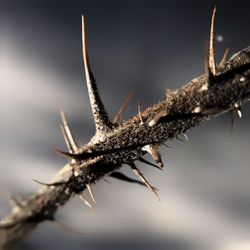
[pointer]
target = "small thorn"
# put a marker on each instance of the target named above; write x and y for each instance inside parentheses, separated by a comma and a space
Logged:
(211, 55)
(67, 228)
(117, 118)
(90, 192)
(101, 119)
(85, 201)
(238, 109)
(149, 163)
(50, 184)
(139, 112)
(69, 138)
(153, 151)
(185, 136)
(138, 173)
(224, 58)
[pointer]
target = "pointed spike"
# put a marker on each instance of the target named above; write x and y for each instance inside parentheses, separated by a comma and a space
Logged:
(68, 136)
(101, 119)
(65, 154)
(185, 136)
(68, 228)
(85, 201)
(117, 118)
(153, 151)
(91, 193)
(138, 173)
(149, 163)
(224, 58)
(211, 55)
(122, 177)
(139, 112)
(49, 184)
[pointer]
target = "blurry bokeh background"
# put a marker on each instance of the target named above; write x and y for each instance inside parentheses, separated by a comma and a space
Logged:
(144, 46)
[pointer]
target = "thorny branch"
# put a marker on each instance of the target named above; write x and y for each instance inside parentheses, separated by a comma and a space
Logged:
(223, 87)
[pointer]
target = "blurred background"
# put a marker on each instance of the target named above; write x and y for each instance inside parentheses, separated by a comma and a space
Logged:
(140, 46)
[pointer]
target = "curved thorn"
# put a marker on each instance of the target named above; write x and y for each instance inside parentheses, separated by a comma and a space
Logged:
(69, 138)
(138, 173)
(85, 201)
(149, 163)
(123, 107)
(101, 119)
(211, 55)
(91, 193)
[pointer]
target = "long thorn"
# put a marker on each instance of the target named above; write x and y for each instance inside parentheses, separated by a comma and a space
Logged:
(211, 56)
(68, 136)
(138, 173)
(91, 193)
(101, 119)
(122, 177)
(149, 163)
(50, 184)
(123, 107)
(85, 201)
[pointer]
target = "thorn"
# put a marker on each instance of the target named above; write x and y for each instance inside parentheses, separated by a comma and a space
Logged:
(138, 173)
(123, 107)
(238, 109)
(149, 163)
(85, 201)
(101, 119)
(50, 184)
(224, 58)
(69, 138)
(185, 136)
(139, 112)
(66, 154)
(122, 177)
(90, 192)
(67, 228)
(211, 55)
(153, 151)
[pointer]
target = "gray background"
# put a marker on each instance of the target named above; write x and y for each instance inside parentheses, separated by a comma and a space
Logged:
(144, 46)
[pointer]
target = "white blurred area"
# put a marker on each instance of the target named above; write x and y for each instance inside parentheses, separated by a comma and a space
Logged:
(205, 198)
